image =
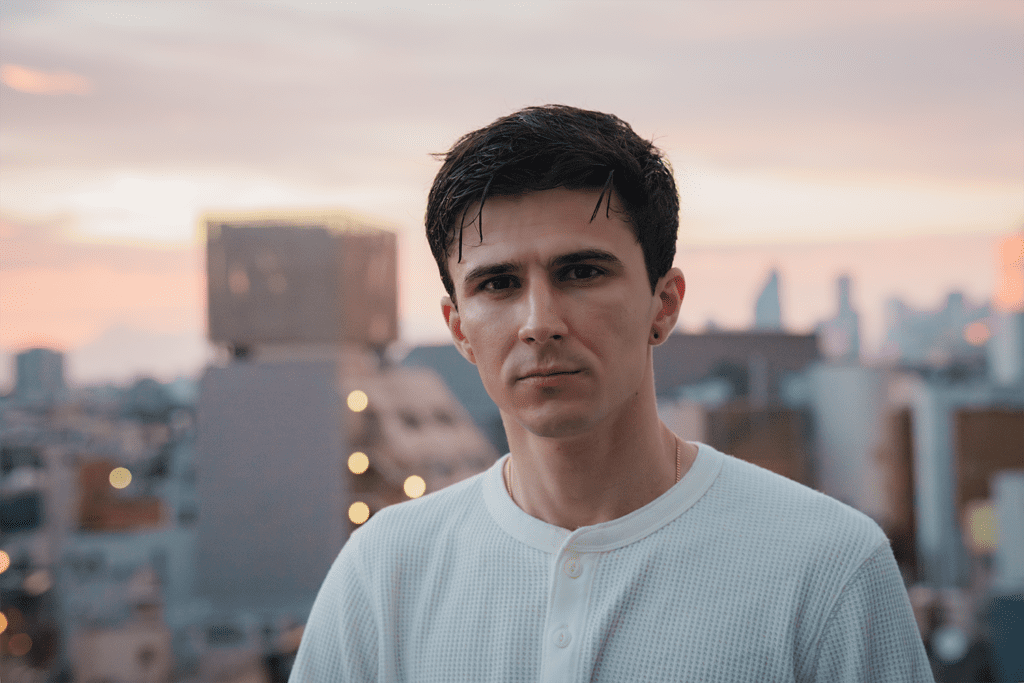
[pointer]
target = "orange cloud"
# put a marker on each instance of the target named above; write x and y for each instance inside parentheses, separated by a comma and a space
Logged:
(66, 308)
(35, 82)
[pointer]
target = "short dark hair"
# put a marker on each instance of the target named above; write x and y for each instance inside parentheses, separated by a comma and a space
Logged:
(543, 148)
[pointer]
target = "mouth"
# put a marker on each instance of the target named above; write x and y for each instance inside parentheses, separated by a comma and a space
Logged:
(542, 375)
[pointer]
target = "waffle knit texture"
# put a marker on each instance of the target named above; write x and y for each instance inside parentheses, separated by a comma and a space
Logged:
(734, 574)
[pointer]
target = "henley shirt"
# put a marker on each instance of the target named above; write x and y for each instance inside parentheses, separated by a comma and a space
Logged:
(734, 574)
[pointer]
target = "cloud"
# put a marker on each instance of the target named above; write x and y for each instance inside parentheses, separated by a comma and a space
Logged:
(61, 293)
(344, 102)
(34, 82)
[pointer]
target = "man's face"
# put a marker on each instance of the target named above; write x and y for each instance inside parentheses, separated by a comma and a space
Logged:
(556, 311)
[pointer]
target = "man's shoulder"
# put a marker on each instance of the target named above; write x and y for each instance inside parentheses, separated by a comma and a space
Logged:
(773, 505)
(420, 521)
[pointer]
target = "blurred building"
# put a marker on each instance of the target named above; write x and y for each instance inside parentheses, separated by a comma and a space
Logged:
(954, 334)
(840, 336)
(1005, 333)
(768, 309)
(39, 376)
(306, 428)
(965, 409)
(743, 393)
(300, 278)
(94, 491)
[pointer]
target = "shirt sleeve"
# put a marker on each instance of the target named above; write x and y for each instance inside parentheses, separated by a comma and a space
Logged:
(871, 635)
(339, 642)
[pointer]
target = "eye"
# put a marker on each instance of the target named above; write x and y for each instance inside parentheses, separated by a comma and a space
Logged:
(581, 272)
(496, 284)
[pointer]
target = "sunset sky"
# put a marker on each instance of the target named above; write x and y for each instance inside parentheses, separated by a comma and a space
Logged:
(883, 139)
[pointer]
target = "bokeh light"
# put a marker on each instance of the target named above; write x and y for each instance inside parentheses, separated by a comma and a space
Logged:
(977, 333)
(5, 561)
(120, 477)
(3, 622)
(38, 582)
(358, 462)
(358, 512)
(19, 644)
(414, 486)
(982, 526)
(357, 401)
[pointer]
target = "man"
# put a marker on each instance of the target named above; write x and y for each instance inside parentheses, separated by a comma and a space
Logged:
(602, 547)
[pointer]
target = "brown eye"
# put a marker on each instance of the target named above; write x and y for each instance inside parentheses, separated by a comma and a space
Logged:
(498, 283)
(582, 272)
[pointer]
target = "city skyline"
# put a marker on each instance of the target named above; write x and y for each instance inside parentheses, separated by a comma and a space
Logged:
(891, 132)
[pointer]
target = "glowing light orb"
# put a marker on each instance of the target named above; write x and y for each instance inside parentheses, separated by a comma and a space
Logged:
(38, 582)
(120, 477)
(357, 401)
(3, 622)
(5, 561)
(19, 644)
(415, 486)
(982, 526)
(977, 333)
(358, 512)
(358, 462)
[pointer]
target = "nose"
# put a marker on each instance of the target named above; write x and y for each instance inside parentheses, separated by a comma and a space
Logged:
(542, 319)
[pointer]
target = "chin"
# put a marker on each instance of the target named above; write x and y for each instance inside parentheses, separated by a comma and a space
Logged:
(557, 426)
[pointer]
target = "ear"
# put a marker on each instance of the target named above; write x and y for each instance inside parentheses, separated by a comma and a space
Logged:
(670, 290)
(454, 323)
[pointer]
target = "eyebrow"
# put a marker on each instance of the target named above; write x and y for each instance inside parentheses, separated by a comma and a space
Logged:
(572, 258)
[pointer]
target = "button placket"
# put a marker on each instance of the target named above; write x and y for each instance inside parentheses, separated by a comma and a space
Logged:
(566, 620)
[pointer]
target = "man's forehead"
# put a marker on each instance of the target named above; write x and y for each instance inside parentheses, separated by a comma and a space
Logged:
(541, 225)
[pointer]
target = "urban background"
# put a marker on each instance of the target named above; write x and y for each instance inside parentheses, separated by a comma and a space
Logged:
(220, 335)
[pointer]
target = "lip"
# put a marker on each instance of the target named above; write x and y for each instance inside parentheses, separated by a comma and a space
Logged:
(550, 374)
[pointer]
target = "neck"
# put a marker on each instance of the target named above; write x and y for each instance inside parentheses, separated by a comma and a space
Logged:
(608, 471)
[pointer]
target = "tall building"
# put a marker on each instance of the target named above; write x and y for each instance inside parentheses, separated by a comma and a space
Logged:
(1006, 340)
(840, 336)
(768, 309)
(39, 375)
(305, 427)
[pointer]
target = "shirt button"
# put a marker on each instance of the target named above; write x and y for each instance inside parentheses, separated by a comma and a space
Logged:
(572, 567)
(562, 637)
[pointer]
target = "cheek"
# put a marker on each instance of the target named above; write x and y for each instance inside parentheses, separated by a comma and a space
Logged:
(615, 326)
(485, 334)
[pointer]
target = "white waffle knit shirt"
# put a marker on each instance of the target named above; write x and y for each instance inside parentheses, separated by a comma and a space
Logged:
(734, 574)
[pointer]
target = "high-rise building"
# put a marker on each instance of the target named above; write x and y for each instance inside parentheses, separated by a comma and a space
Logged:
(39, 375)
(768, 309)
(840, 336)
(1006, 340)
(305, 427)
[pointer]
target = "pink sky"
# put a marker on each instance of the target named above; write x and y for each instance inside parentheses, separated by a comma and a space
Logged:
(880, 139)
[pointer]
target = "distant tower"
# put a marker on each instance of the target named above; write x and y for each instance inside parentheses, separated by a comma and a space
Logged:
(288, 291)
(304, 429)
(40, 375)
(1006, 347)
(840, 336)
(768, 311)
